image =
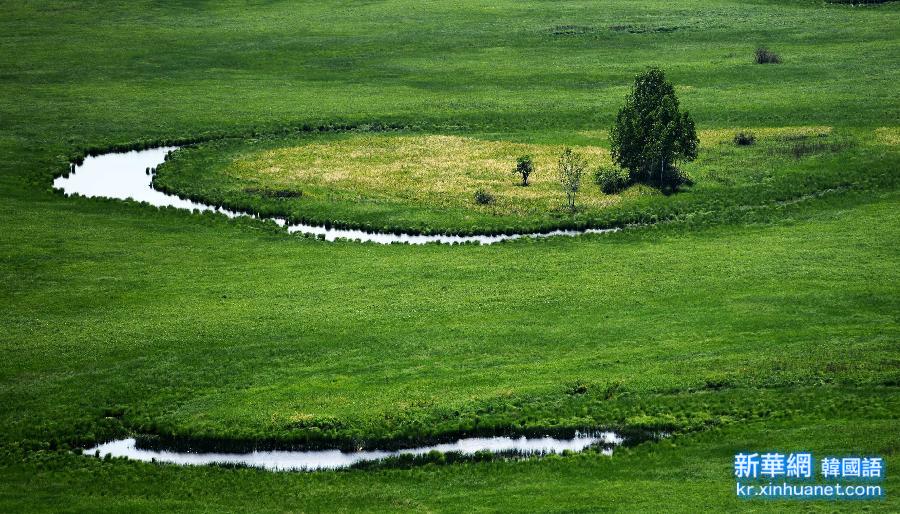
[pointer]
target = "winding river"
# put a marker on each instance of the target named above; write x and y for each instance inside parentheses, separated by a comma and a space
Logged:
(127, 175)
(312, 460)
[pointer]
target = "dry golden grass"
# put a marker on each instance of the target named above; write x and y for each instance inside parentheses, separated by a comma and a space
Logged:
(888, 135)
(437, 170)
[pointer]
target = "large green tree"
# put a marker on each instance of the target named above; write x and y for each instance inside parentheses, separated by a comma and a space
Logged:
(650, 135)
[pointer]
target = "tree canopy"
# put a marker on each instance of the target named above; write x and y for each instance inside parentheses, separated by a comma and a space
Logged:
(650, 135)
(524, 167)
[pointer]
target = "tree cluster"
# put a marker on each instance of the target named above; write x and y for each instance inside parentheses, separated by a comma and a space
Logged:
(650, 135)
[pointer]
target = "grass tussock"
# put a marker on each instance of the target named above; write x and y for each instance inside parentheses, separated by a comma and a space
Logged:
(482, 197)
(743, 138)
(765, 56)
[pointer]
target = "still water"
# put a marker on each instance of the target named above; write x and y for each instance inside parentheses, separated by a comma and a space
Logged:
(288, 460)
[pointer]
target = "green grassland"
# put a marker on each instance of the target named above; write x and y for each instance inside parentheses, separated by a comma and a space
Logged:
(759, 311)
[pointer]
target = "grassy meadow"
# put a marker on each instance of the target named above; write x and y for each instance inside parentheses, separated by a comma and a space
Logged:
(755, 310)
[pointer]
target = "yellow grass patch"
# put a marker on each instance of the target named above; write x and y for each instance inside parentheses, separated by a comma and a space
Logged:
(439, 170)
(888, 135)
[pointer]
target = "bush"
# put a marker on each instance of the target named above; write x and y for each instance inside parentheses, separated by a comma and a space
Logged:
(482, 197)
(611, 179)
(577, 387)
(766, 56)
(744, 138)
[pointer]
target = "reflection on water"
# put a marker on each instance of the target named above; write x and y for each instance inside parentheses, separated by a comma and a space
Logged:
(125, 175)
(286, 460)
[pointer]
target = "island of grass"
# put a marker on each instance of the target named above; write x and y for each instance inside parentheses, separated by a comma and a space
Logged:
(427, 182)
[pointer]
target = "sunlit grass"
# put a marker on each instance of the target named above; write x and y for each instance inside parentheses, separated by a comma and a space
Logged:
(433, 170)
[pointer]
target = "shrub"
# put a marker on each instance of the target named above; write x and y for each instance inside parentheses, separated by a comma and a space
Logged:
(577, 387)
(765, 56)
(744, 138)
(482, 197)
(611, 179)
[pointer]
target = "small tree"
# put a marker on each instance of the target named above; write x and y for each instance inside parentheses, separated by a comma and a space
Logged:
(650, 136)
(571, 167)
(524, 167)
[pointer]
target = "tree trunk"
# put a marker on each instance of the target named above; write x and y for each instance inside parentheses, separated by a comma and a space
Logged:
(662, 167)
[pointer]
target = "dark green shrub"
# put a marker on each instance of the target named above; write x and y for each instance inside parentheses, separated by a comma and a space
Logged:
(611, 179)
(765, 56)
(482, 197)
(744, 138)
(578, 387)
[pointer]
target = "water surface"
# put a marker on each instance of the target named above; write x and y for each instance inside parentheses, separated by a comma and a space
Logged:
(290, 460)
